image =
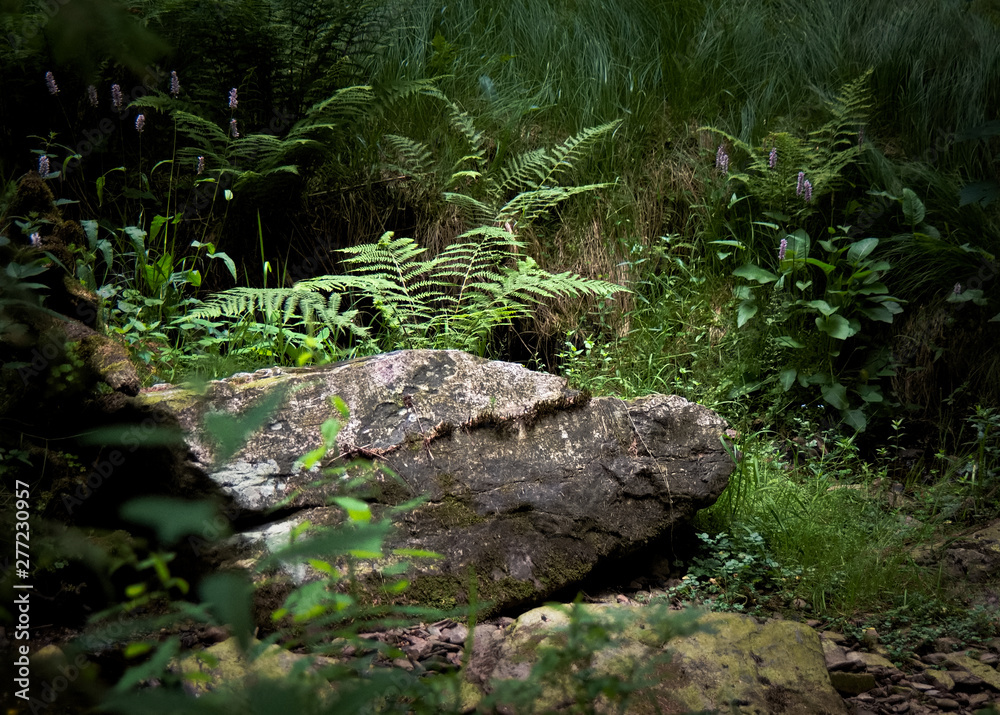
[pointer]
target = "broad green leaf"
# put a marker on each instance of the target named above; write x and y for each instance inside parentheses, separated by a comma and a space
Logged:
(913, 208)
(870, 393)
(357, 510)
(229, 597)
(821, 305)
(826, 267)
(787, 341)
(755, 273)
(224, 257)
(871, 289)
(803, 285)
(747, 310)
(856, 419)
(878, 312)
(799, 244)
(170, 517)
(859, 250)
(787, 379)
(230, 432)
(836, 395)
(836, 326)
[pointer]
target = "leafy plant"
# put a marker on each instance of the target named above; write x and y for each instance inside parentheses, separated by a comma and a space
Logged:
(458, 298)
(818, 304)
(499, 190)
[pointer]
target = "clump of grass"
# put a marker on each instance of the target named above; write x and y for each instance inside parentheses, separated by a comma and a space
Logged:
(849, 552)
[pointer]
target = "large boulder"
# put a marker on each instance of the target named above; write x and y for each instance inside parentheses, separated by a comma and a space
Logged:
(529, 484)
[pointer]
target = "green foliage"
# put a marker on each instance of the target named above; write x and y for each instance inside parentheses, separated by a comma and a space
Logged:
(298, 324)
(913, 625)
(458, 298)
(736, 573)
(817, 305)
(571, 672)
(837, 548)
(323, 619)
(498, 190)
(823, 157)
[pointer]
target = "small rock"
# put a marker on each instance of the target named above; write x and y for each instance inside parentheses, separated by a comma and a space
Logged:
(947, 644)
(989, 658)
(947, 704)
(935, 658)
(940, 679)
(403, 663)
(456, 634)
(977, 700)
(870, 637)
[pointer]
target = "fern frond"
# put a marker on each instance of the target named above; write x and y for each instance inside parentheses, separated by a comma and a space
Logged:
(204, 133)
(415, 158)
(474, 209)
(462, 123)
(529, 205)
(540, 168)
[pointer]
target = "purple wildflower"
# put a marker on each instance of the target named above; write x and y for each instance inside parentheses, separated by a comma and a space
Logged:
(782, 247)
(799, 185)
(233, 130)
(92, 95)
(201, 165)
(807, 191)
(140, 123)
(50, 82)
(116, 97)
(722, 159)
(36, 239)
(175, 84)
(772, 158)
(43, 165)
(232, 98)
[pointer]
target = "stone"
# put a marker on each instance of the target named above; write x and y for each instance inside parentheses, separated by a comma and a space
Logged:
(528, 483)
(980, 671)
(229, 668)
(871, 661)
(730, 662)
(940, 679)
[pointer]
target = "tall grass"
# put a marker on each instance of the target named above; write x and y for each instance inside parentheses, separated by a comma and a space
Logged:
(852, 553)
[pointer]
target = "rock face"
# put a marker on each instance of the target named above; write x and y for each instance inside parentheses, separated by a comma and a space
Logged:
(528, 483)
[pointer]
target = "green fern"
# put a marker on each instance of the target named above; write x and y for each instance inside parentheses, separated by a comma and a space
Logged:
(823, 157)
(457, 299)
(283, 321)
(519, 191)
